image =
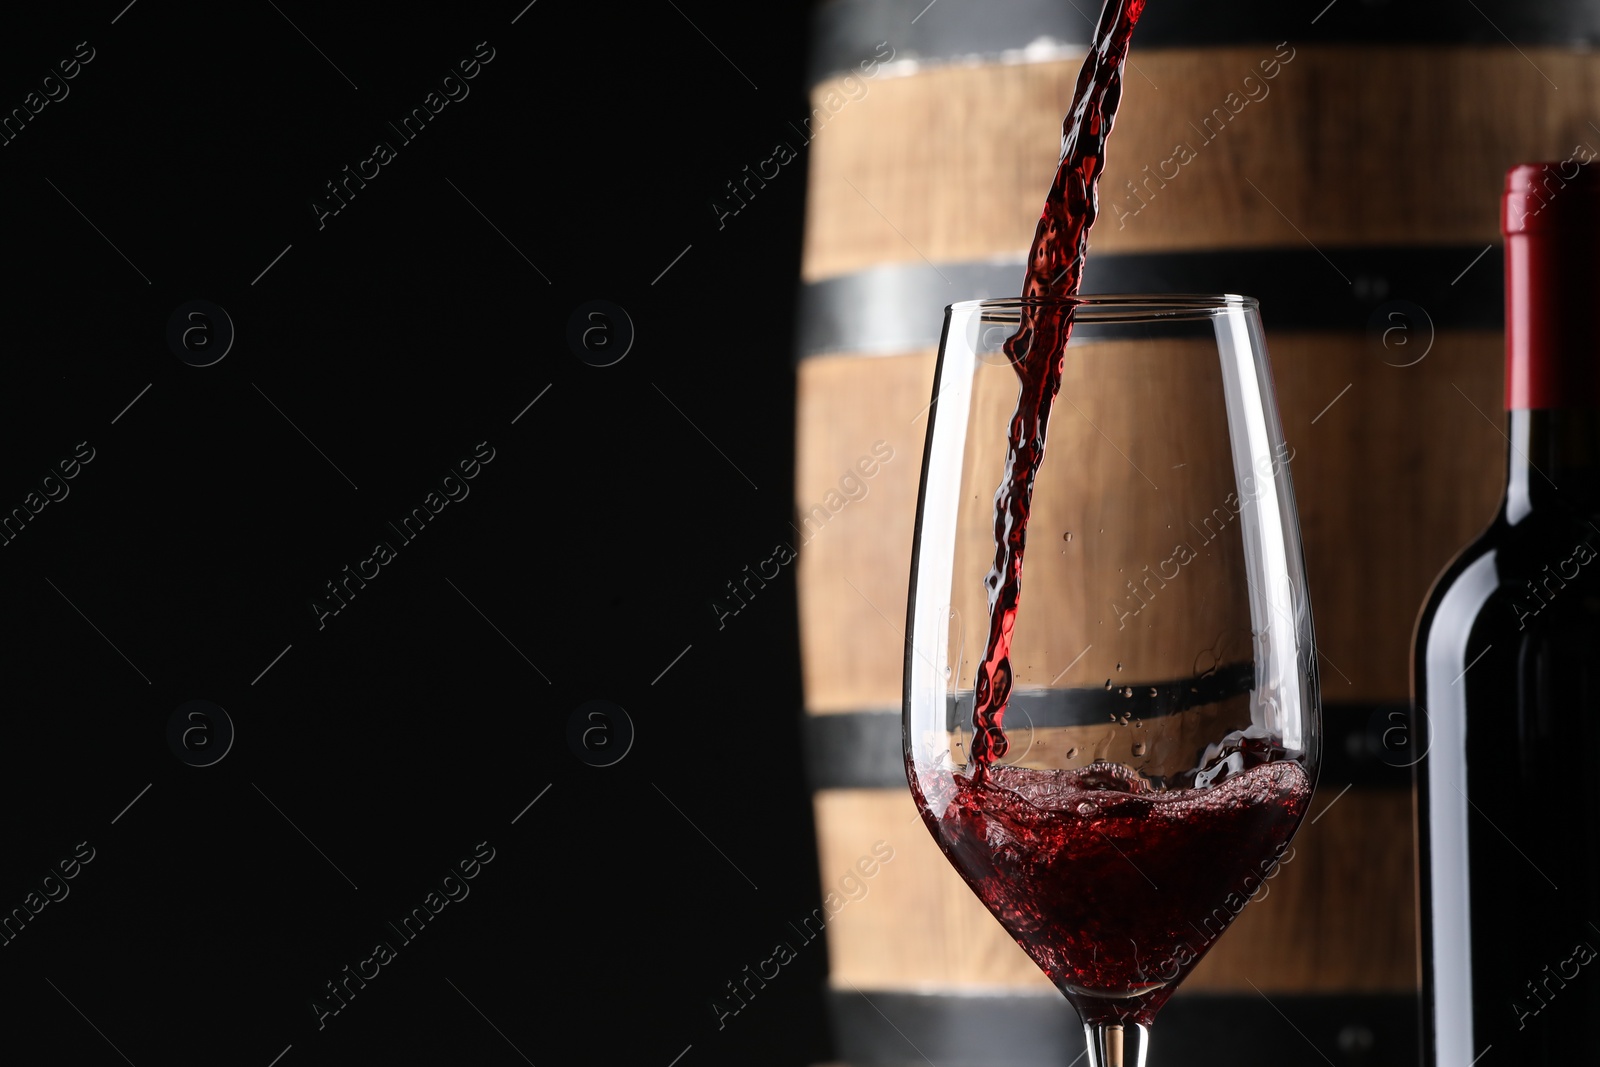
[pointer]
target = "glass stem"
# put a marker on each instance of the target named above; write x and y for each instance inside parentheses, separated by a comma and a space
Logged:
(1114, 1045)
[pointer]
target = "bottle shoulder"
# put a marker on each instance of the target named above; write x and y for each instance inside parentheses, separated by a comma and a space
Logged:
(1513, 581)
(1525, 549)
(1493, 541)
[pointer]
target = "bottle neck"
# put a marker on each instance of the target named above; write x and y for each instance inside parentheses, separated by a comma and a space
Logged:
(1554, 461)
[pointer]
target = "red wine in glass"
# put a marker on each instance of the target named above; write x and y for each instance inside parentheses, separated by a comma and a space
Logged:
(1116, 890)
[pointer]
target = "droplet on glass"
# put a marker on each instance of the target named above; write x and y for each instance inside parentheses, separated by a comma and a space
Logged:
(1139, 748)
(1153, 691)
(1119, 666)
(1067, 536)
(1072, 753)
(1108, 683)
(1088, 808)
(1127, 690)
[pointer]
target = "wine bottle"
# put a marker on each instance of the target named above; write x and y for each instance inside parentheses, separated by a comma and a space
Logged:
(1506, 680)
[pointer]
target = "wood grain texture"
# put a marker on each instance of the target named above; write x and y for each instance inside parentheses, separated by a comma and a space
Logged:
(1402, 470)
(855, 555)
(1336, 917)
(1347, 145)
(1139, 470)
(1391, 481)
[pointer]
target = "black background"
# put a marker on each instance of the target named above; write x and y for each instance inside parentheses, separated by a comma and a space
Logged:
(375, 353)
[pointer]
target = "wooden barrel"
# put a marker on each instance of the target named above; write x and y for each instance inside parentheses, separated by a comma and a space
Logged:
(1343, 168)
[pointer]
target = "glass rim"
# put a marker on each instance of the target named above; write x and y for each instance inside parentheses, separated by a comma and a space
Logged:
(1119, 307)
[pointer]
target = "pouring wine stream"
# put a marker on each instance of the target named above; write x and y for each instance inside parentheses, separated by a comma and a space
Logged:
(1037, 351)
(1038, 348)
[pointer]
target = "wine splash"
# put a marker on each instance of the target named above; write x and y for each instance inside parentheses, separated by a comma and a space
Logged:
(1117, 889)
(1037, 350)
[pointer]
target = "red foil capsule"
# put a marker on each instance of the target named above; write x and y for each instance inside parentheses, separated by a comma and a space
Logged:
(1550, 216)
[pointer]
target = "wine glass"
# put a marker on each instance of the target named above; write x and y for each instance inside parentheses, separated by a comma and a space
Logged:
(1160, 732)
